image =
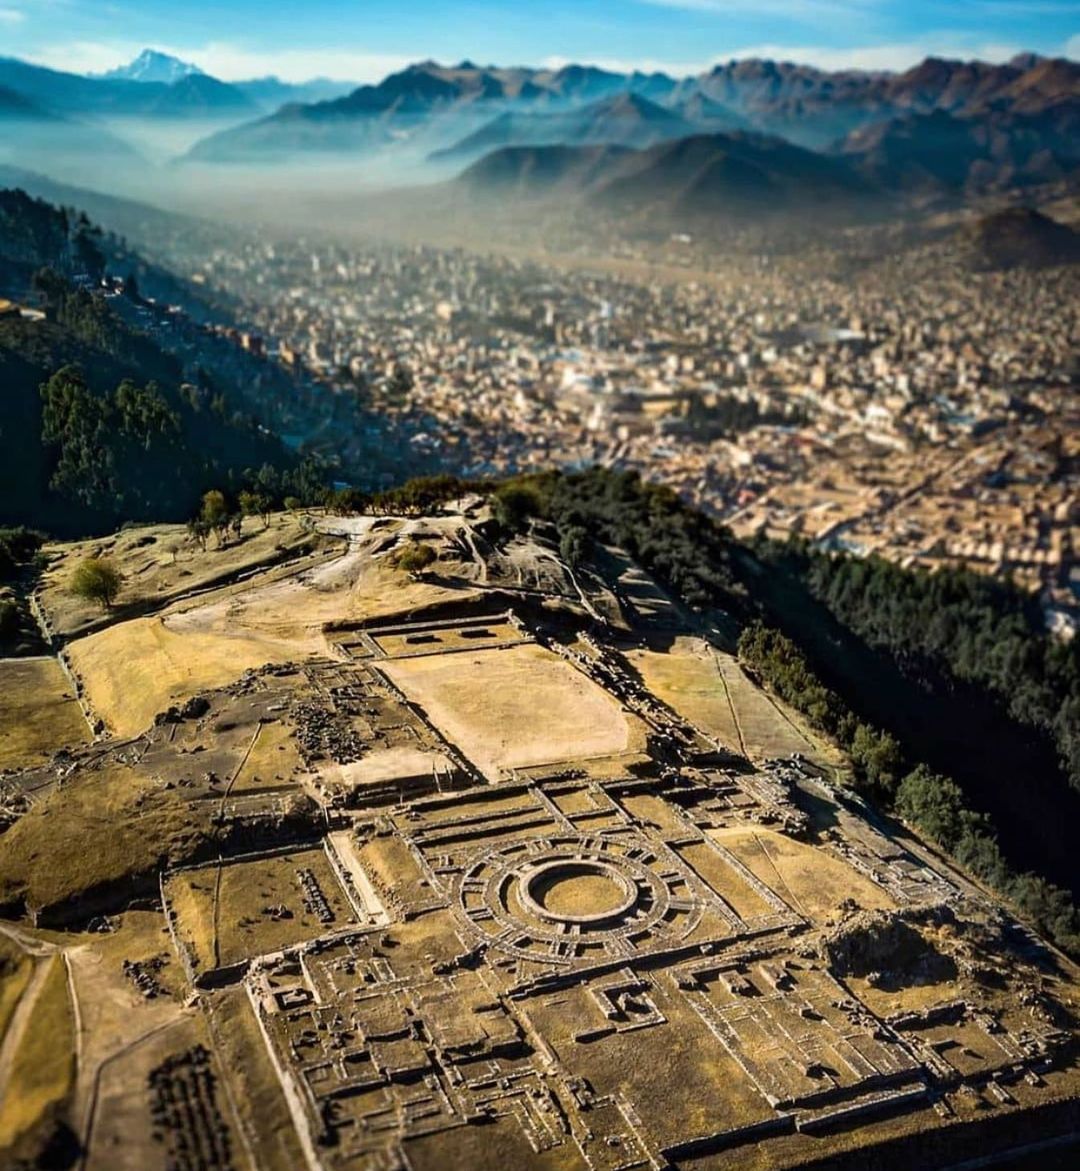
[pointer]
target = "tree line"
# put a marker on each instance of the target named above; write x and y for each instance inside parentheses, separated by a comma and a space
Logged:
(978, 630)
(929, 801)
(685, 549)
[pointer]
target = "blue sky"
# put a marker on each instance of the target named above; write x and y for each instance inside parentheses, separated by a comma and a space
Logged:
(365, 39)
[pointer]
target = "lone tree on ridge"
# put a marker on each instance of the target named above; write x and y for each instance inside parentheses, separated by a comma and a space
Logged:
(96, 580)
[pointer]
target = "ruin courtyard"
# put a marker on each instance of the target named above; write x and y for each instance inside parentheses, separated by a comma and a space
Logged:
(497, 866)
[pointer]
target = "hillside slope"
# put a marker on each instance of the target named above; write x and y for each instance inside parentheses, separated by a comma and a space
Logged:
(740, 174)
(99, 424)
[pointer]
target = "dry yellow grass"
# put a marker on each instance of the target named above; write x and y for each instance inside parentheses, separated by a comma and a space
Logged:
(240, 926)
(386, 764)
(688, 680)
(15, 969)
(381, 591)
(766, 728)
(723, 879)
(43, 1065)
(136, 669)
(257, 1092)
(709, 688)
(680, 1083)
(105, 828)
(38, 713)
(272, 762)
(144, 556)
(514, 707)
(808, 878)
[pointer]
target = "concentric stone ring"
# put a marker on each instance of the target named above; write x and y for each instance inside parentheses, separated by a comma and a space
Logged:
(545, 891)
(560, 898)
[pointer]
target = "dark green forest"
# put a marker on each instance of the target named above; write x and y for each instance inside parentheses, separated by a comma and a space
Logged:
(974, 629)
(99, 425)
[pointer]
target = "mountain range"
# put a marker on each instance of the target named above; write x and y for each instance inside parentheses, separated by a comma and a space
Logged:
(941, 127)
(944, 129)
(156, 85)
(809, 106)
(193, 94)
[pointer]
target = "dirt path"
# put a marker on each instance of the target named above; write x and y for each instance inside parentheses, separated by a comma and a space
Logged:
(760, 842)
(470, 538)
(730, 702)
(20, 1020)
(34, 947)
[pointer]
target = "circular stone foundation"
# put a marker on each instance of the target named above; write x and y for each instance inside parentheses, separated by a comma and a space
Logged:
(570, 890)
(555, 899)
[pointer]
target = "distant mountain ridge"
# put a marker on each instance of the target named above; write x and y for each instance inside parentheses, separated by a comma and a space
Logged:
(194, 94)
(815, 107)
(450, 112)
(941, 130)
(626, 119)
(407, 104)
(269, 93)
(157, 85)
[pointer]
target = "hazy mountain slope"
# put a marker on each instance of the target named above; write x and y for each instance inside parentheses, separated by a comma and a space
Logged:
(995, 149)
(539, 172)
(624, 119)
(748, 173)
(15, 107)
(1020, 237)
(744, 174)
(33, 135)
(194, 95)
(133, 228)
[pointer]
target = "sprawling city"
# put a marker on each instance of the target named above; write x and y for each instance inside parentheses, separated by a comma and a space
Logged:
(539, 603)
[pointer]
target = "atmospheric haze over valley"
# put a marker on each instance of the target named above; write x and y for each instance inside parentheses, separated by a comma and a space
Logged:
(538, 603)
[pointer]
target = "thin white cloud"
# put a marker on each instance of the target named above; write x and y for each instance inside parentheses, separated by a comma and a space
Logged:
(1072, 47)
(885, 57)
(11, 15)
(1027, 8)
(805, 11)
(897, 56)
(227, 61)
